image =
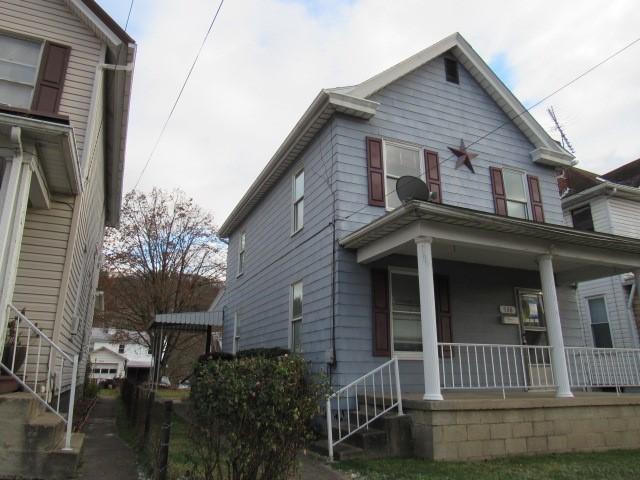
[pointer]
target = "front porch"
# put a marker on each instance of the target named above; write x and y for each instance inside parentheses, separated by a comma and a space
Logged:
(507, 320)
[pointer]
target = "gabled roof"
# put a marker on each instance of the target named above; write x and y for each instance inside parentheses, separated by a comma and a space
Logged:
(355, 100)
(108, 350)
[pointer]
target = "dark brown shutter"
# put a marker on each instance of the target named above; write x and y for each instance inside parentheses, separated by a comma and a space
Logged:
(376, 172)
(432, 167)
(499, 195)
(381, 322)
(443, 313)
(536, 199)
(53, 68)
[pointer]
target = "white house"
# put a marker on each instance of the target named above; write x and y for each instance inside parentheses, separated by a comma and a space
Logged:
(117, 353)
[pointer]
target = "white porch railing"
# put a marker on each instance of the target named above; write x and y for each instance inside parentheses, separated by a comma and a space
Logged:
(44, 369)
(603, 367)
(380, 393)
(474, 366)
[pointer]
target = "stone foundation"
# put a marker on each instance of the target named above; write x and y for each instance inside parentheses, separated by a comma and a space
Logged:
(481, 428)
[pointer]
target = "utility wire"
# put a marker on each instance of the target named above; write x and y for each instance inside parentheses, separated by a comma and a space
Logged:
(126, 25)
(511, 119)
(175, 103)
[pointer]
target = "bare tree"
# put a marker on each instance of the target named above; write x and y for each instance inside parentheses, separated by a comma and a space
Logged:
(165, 257)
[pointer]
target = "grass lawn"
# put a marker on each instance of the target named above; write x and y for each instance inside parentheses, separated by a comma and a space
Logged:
(109, 392)
(172, 394)
(613, 465)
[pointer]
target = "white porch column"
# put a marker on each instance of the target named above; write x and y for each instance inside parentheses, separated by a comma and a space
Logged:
(428, 320)
(554, 328)
(12, 217)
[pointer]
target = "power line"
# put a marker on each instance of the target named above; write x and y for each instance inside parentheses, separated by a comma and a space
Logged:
(175, 103)
(126, 25)
(511, 119)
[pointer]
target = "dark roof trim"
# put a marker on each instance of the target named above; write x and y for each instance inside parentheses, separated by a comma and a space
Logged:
(108, 21)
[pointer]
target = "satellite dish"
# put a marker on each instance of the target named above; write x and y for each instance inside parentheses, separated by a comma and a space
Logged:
(412, 188)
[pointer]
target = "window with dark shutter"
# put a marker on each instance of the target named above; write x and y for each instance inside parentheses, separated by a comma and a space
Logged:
(432, 167)
(381, 323)
(536, 199)
(499, 195)
(53, 68)
(582, 219)
(376, 172)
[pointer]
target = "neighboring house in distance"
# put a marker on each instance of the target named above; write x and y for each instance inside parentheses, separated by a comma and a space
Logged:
(468, 288)
(119, 354)
(608, 203)
(65, 80)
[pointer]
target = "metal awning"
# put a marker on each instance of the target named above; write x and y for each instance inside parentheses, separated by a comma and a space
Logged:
(188, 321)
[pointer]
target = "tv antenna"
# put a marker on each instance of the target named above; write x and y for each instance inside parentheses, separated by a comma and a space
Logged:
(563, 136)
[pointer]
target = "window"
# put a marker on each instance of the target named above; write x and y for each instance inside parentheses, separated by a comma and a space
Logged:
(112, 370)
(236, 335)
(582, 219)
(296, 317)
(242, 252)
(515, 193)
(451, 70)
(298, 201)
(19, 61)
(400, 160)
(405, 312)
(121, 348)
(600, 323)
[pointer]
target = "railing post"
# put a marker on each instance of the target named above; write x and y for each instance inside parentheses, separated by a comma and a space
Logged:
(72, 400)
(329, 429)
(397, 369)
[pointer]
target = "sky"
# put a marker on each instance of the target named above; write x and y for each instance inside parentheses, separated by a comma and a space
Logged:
(266, 60)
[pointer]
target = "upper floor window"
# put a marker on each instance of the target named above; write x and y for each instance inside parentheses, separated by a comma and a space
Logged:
(121, 348)
(399, 160)
(582, 219)
(242, 252)
(298, 201)
(451, 70)
(515, 193)
(296, 317)
(19, 60)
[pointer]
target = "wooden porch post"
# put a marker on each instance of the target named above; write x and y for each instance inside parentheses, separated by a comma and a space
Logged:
(428, 320)
(554, 328)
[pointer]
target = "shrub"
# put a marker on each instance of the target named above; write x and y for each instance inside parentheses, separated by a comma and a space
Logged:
(252, 416)
(273, 352)
(215, 356)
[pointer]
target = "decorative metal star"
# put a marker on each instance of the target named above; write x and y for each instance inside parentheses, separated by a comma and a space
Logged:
(464, 156)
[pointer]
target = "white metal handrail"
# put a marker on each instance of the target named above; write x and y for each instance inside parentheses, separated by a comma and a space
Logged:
(380, 391)
(603, 367)
(473, 366)
(28, 374)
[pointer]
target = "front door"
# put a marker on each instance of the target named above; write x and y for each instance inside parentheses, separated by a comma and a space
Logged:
(533, 332)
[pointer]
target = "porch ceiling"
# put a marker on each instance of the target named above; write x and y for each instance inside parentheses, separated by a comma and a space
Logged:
(475, 237)
(52, 143)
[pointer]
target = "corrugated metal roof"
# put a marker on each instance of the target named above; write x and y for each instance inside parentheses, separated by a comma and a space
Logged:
(193, 320)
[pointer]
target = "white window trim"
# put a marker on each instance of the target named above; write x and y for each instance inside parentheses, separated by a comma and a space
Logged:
(525, 184)
(606, 309)
(297, 319)
(242, 248)
(401, 355)
(408, 146)
(38, 65)
(294, 202)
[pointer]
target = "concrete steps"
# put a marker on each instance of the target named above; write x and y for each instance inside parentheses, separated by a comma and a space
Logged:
(388, 436)
(31, 441)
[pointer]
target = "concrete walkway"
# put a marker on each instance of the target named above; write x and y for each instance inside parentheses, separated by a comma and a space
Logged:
(313, 467)
(105, 455)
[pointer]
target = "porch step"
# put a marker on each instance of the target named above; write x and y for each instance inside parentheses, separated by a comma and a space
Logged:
(342, 451)
(44, 432)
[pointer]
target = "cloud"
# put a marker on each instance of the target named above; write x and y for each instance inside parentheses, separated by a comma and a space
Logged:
(267, 59)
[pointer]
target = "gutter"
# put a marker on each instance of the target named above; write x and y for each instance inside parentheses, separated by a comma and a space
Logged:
(609, 188)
